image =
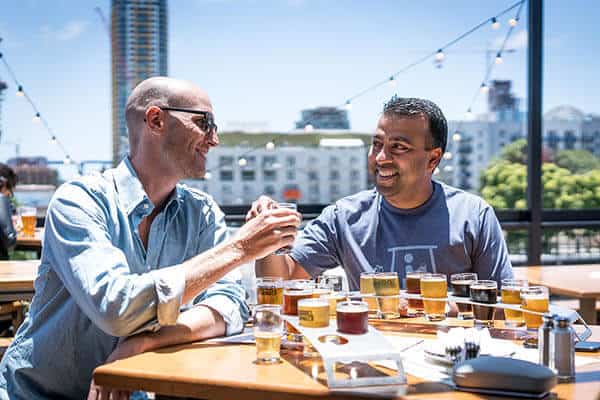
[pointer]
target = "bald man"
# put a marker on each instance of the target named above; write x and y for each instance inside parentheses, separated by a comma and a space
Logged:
(123, 251)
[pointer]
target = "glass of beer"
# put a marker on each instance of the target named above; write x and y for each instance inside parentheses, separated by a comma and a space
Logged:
(413, 286)
(285, 249)
(268, 328)
(28, 220)
(534, 298)
(333, 299)
(366, 287)
(269, 290)
(511, 294)
(387, 289)
(461, 288)
(293, 291)
(313, 313)
(352, 317)
(484, 291)
(434, 286)
(332, 282)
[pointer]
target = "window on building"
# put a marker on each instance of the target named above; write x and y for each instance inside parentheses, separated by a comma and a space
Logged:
(226, 175)
(269, 162)
(290, 175)
(313, 176)
(270, 175)
(290, 161)
(354, 174)
(334, 161)
(226, 161)
(248, 175)
(334, 175)
(269, 190)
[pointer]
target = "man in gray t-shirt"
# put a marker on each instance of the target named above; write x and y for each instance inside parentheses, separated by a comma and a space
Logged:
(409, 222)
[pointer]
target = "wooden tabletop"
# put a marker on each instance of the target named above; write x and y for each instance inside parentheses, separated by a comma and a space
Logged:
(581, 281)
(18, 276)
(220, 371)
(31, 242)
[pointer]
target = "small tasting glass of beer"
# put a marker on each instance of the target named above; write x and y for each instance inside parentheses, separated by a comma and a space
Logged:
(413, 286)
(511, 294)
(534, 298)
(434, 286)
(269, 290)
(461, 288)
(293, 291)
(268, 328)
(366, 288)
(352, 317)
(387, 289)
(484, 291)
(28, 220)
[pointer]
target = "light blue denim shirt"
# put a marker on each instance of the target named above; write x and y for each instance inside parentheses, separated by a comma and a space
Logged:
(96, 282)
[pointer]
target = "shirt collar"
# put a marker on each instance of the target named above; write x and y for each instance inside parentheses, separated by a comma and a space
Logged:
(130, 191)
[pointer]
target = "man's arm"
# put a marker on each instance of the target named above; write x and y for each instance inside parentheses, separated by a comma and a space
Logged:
(280, 265)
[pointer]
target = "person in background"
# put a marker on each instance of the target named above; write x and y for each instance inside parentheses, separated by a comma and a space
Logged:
(123, 251)
(8, 234)
(408, 222)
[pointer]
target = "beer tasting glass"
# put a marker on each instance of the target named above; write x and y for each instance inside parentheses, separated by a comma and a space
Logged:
(352, 317)
(434, 286)
(387, 289)
(313, 313)
(28, 220)
(269, 290)
(511, 294)
(484, 291)
(461, 288)
(333, 299)
(366, 287)
(413, 286)
(268, 328)
(285, 249)
(293, 291)
(534, 298)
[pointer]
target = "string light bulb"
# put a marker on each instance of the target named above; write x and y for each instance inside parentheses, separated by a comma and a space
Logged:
(207, 176)
(20, 91)
(513, 22)
(456, 137)
(348, 105)
(484, 88)
(392, 81)
(270, 146)
(448, 168)
(67, 160)
(308, 128)
(53, 139)
(440, 56)
(242, 162)
(448, 155)
(469, 113)
(495, 23)
(498, 59)
(37, 117)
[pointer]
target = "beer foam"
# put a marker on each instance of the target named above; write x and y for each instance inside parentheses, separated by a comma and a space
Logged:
(483, 286)
(535, 296)
(313, 303)
(352, 308)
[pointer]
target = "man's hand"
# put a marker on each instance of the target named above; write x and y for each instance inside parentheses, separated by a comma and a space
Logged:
(267, 231)
(261, 204)
(127, 347)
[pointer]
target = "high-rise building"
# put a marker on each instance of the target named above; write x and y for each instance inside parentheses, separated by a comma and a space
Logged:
(139, 51)
(324, 118)
(3, 87)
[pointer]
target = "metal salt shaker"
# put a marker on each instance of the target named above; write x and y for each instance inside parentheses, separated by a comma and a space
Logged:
(562, 349)
(544, 332)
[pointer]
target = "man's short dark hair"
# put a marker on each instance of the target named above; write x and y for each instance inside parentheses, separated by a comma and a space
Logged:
(409, 107)
(8, 178)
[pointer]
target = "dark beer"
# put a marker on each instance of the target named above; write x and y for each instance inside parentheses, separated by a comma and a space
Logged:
(461, 288)
(484, 292)
(413, 286)
(291, 298)
(353, 317)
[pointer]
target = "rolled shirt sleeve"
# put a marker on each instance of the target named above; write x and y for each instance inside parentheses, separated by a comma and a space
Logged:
(96, 273)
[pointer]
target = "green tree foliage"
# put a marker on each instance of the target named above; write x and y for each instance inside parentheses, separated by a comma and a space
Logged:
(577, 161)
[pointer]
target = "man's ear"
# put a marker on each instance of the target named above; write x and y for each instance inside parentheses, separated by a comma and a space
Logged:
(154, 118)
(435, 157)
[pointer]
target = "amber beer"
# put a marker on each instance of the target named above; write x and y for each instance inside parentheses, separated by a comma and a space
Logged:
(366, 287)
(28, 220)
(434, 286)
(511, 294)
(269, 291)
(461, 288)
(534, 298)
(484, 291)
(313, 313)
(353, 317)
(413, 286)
(291, 298)
(387, 288)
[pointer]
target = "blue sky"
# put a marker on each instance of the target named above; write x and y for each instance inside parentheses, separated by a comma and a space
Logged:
(263, 61)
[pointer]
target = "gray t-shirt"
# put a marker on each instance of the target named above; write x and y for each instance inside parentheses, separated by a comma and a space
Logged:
(454, 231)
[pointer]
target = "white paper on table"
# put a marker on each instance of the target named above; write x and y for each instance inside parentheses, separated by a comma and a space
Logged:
(245, 337)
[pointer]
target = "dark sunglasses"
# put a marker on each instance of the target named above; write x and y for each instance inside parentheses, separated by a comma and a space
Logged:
(207, 124)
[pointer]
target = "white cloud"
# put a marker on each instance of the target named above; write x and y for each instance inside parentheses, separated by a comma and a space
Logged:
(71, 30)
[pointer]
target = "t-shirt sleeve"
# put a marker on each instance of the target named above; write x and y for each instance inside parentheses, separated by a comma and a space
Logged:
(490, 258)
(316, 247)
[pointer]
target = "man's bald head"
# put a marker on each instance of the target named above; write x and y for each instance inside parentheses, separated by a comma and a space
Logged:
(161, 92)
